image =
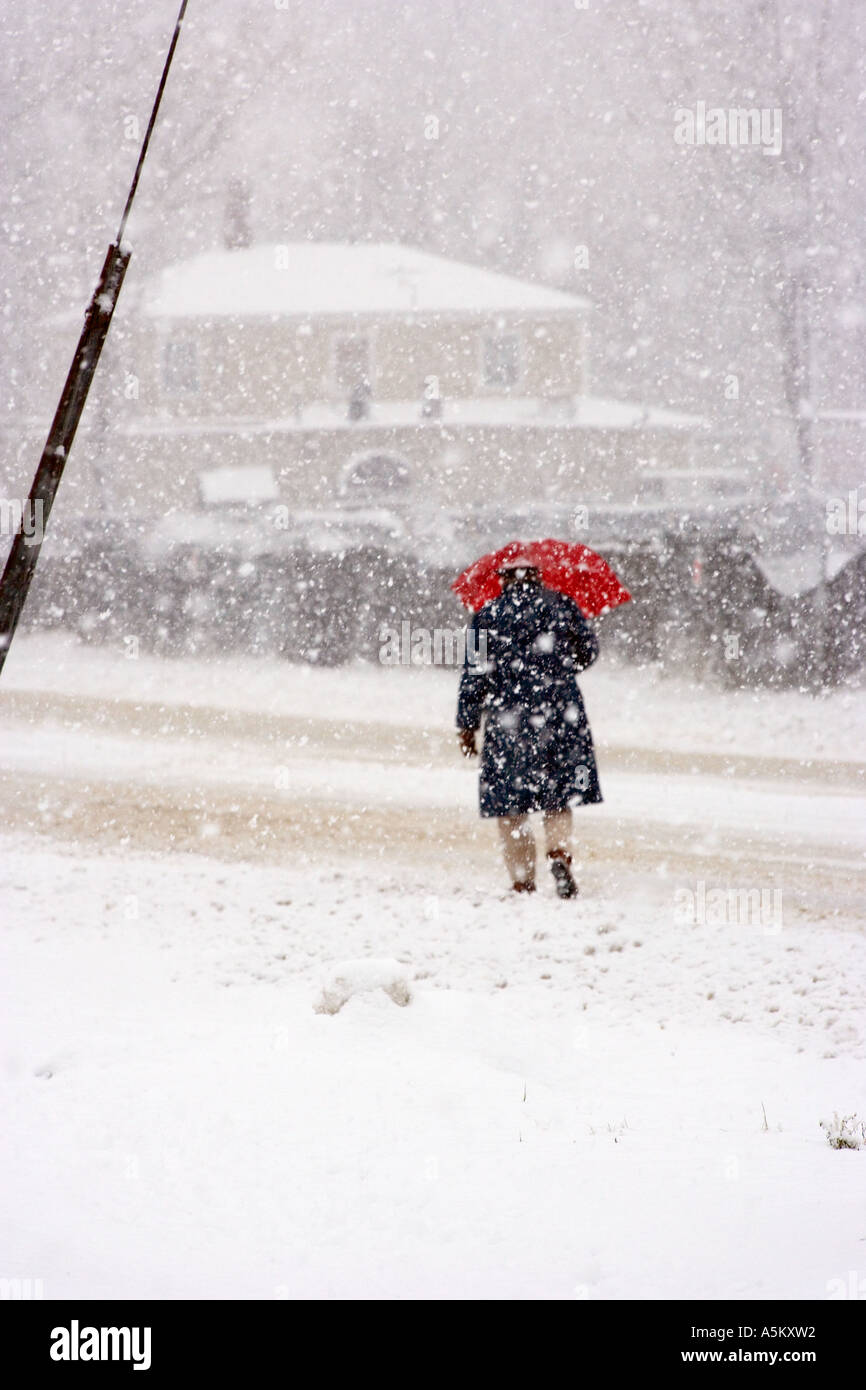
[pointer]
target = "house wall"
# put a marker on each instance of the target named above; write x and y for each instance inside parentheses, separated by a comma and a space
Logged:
(267, 368)
(141, 449)
(450, 469)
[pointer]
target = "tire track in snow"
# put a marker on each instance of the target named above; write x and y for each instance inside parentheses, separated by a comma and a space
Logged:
(245, 825)
(380, 742)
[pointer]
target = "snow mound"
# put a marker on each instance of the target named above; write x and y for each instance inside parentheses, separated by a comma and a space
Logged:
(353, 977)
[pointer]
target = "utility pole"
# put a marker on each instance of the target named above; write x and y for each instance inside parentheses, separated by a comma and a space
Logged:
(27, 543)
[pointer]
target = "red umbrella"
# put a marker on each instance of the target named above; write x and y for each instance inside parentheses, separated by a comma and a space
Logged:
(574, 570)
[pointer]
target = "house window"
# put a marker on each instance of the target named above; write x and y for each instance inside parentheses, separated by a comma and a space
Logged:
(501, 359)
(376, 476)
(179, 367)
(353, 369)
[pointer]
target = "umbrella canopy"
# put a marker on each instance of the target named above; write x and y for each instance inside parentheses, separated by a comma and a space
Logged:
(572, 569)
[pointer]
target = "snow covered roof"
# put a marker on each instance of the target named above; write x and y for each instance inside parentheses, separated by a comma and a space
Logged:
(798, 572)
(321, 277)
(590, 412)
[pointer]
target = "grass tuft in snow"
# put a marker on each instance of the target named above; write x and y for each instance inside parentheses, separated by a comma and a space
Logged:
(845, 1132)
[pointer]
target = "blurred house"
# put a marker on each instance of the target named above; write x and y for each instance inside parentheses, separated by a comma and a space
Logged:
(369, 375)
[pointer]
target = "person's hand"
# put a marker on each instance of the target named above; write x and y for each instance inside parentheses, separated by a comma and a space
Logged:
(466, 738)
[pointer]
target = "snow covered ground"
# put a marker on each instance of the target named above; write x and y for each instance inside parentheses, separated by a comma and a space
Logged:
(618, 1098)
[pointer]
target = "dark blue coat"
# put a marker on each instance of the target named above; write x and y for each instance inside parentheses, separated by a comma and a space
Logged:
(538, 753)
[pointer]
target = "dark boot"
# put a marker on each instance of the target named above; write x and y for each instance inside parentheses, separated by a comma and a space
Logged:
(560, 865)
(523, 885)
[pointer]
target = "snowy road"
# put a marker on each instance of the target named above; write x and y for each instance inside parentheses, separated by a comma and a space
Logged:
(573, 1104)
(262, 786)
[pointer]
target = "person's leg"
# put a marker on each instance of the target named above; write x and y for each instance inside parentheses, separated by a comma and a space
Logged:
(557, 833)
(557, 836)
(518, 847)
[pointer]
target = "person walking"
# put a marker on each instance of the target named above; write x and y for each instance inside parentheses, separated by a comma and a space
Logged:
(524, 651)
